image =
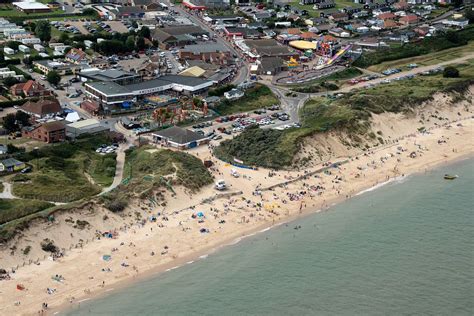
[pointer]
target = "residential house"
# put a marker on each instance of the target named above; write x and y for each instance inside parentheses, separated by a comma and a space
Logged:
(51, 132)
(261, 16)
(77, 56)
(42, 108)
(409, 19)
(389, 24)
(308, 36)
(11, 165)
(386, 16)
(339, 32)
(91, 107)
(29, 89)
(339, 17)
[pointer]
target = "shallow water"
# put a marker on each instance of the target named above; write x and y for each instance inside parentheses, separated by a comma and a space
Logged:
(405, 248)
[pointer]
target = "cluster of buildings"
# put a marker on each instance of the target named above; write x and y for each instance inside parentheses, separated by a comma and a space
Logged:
(12, 32)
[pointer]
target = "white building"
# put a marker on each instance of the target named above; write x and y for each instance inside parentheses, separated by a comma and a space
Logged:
(23, 48)
(8, 51)
(39, 48)
(30, 41)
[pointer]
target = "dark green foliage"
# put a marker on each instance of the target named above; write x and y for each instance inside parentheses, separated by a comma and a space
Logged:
(53, 77)
(43, 30)
(219, 92)
(257, 97)
(13, 44)
(256, 146)
(450, 72)
(49, 246)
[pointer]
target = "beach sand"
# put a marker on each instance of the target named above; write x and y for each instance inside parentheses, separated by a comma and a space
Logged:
(175, 238)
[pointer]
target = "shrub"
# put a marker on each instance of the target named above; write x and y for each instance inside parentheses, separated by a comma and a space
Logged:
(49, 246)
(451, 72)
(116, 205)
(27, 250)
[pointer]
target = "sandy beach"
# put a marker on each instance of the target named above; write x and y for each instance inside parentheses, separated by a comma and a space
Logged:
(191, 226)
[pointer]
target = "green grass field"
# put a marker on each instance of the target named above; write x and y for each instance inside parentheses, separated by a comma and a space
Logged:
(316, 13)
(426, 60)
(17, 208)
(257, 97)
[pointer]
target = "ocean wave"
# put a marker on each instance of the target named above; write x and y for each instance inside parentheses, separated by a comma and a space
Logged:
(399, 179)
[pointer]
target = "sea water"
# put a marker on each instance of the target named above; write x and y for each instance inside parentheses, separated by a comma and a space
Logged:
(406, 248)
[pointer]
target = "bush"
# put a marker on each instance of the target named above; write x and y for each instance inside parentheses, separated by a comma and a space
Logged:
(49, 246)
(27, 250)
(219, 92)
(116, 205)
(451, 72)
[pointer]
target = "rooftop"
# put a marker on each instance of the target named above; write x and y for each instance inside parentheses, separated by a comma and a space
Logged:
(179, 135)
(205, 48)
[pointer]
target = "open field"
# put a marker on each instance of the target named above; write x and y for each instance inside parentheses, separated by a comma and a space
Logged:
(316, 13)
(426, 60)
(257, 97)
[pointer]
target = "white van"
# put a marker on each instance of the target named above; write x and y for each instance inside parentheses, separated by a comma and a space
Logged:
(220, 185)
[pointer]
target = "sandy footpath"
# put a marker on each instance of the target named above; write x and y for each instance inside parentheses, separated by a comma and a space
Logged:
(180, 234)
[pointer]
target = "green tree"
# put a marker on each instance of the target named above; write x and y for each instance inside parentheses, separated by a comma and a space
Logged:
(53, 77)
(10, 81)
(145, 32)
(469, 14)
(13, 44)
(130, 43)
(9, 123)
(79, 45)
(22, 118)
(64, 38)
(450, 72)
(43, 30)
(141, 43)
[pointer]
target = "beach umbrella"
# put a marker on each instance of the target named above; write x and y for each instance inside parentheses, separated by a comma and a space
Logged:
(200, 214)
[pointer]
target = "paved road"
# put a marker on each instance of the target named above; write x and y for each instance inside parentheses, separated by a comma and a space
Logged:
(243, 65)
(119, 168)
(7, 191)
(403, 73)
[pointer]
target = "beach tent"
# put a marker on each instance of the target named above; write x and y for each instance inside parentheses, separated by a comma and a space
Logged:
(200, 214)
(106, 257)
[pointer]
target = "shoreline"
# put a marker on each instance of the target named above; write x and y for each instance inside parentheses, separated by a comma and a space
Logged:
(204, 253)
(382, 177)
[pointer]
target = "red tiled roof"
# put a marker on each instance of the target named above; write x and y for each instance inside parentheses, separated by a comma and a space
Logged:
(43, 107)
(409, 18)
(53, 126)
(386, 16)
